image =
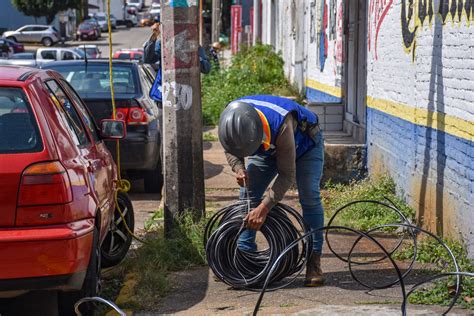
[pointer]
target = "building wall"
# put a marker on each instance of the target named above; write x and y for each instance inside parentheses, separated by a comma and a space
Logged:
(420, 95)
(420, 117)
(12, 19)
(309, 34)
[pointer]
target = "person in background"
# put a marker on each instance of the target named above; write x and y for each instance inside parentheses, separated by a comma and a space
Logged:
(282, 141)
(215, 50)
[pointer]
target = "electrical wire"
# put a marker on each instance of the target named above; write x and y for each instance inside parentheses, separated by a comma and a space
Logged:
(290, 243)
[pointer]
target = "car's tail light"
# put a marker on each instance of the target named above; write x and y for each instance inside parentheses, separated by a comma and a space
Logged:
(45, 183)
(130, 112)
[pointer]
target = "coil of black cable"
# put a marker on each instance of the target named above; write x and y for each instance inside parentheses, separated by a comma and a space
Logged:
(248, 270)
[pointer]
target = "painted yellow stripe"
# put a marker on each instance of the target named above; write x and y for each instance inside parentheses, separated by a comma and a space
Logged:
(440, 121)
(334, 91)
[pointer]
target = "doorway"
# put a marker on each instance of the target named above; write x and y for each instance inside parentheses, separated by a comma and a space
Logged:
(356, 69)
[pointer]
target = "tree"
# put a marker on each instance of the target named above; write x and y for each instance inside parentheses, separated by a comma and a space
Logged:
(46, 8)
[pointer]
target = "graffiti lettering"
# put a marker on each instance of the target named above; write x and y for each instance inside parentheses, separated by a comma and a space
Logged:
(323, 38)
(377, 11)
(181, 94)
(415, 13)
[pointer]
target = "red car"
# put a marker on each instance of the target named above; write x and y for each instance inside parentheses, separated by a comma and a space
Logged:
(129, 54)
(87, 31)
(58, 219)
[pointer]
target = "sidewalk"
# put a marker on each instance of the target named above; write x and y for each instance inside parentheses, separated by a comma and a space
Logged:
(196, 292)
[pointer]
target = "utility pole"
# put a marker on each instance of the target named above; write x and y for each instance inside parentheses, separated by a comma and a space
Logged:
(182, 118)
(256, 22)
(216, 20)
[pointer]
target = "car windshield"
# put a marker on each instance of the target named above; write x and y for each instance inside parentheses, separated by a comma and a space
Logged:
(93, 80)
(85, 26)
(92, 51)
(79, 51)
(18, 128)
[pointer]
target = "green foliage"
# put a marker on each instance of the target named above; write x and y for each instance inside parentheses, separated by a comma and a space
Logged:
(183, 248)
(154, 221)
(255, 70)
(364, 216)
(430, 251)
(46, 8)
(209, 137)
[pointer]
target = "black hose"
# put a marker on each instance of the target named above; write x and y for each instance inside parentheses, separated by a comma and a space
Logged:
(290, 245)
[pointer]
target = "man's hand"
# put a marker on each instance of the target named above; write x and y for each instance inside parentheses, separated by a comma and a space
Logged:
(155, 28)
(256, 217)
(242, 177)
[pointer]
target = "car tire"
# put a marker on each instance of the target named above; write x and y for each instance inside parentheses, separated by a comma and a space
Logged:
(129, 24)
(90, 287)
(47, 41)
(118, 239)
(154, 180)
(12, 38)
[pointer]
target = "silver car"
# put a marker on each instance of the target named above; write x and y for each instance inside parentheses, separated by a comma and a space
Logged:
(45, 34)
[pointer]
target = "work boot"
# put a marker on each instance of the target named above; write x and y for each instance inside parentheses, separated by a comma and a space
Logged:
(314, 274)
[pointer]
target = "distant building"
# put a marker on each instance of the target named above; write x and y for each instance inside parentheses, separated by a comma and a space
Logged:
(398, 76)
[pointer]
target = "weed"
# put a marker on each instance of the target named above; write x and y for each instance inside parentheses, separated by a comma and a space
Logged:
(154, 221)
(254, 70)
(183, 248)
(209, 137)
(440, 292)
(364, 216)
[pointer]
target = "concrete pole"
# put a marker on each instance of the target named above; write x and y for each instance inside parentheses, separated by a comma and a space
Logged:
(216, 20)
(182, 119)
(257, 22)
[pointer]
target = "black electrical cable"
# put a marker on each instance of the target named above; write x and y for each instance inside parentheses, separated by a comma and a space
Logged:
(248, 269)
(289, 247)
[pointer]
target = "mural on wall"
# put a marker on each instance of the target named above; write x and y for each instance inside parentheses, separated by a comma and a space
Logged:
(339, 45)
(377, 11)
(416, 13)
(332, 19)
(323, 37)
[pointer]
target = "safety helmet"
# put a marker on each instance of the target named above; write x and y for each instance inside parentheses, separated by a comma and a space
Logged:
(240, 129)
(216, 45)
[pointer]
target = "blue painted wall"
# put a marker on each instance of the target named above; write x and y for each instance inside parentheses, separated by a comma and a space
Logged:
(12, 19)
(433, 170)
(318, 96)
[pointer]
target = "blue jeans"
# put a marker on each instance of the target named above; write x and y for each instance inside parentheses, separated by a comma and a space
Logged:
(309, 168)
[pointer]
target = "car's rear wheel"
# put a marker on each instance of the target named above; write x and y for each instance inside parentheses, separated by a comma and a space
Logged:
(118, 239)
(129, 24)
(90, 287)
(154, 180)
(12, 38)
(47, 41)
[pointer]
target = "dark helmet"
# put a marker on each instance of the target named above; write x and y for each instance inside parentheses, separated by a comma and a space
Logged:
(240, 129)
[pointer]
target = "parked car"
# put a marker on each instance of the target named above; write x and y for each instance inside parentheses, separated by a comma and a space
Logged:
(129, 54)
(95, 23)
(140, 149)
(146, 20)
(57, 186)
(155, 10)
(43, 55)
(87, 31)
(52, 54)
(16, 47)
(135, 3)
(92, 51)
(101, 18)
(45, 34)
(113, 21)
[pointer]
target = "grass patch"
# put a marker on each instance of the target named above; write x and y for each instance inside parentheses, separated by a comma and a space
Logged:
(209, 137)
(154, 260)
(441, 292)
(155, 220)
(254, 70)
(364, 216)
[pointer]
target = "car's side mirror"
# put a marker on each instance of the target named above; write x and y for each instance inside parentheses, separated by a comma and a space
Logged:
(112, 129)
